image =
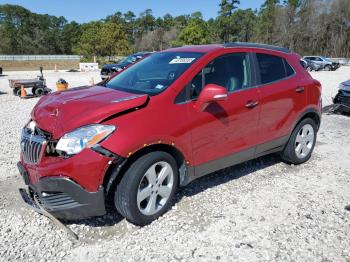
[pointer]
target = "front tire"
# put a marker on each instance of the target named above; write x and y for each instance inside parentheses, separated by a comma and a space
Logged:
(147, 189)
(301, 143)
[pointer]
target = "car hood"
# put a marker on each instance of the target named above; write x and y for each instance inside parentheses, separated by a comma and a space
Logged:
(61, 112)
(345, 85)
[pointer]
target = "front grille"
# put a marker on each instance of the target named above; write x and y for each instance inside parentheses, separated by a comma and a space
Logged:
(32, 147)
(52, 201)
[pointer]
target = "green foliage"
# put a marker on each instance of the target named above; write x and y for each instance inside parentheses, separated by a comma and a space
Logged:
(225, 22)
(23, 32)
(114, 40)
(266, 21)
(102, 39)
(243, 23)
(291, 23)
(195, 33)
(89, 43)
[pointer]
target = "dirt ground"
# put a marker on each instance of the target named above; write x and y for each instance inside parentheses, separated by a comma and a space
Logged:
(9, 66)
(261, 210)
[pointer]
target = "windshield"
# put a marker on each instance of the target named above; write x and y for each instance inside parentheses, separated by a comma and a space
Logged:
(155, 73)
(326, 59)
(129, 59)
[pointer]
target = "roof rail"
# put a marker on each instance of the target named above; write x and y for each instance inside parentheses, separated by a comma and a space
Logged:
(256, 45)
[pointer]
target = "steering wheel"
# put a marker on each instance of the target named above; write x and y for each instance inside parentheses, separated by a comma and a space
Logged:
(171, 75)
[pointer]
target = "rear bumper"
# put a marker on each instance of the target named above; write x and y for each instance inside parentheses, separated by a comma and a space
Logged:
(65, 199)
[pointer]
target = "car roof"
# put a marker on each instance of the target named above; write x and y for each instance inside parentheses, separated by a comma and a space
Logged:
(195, 48)
(212, 47)
(141, 53)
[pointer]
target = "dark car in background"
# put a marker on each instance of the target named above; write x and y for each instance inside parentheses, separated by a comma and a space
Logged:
(108, 70)
(324, 62)
(343, 97)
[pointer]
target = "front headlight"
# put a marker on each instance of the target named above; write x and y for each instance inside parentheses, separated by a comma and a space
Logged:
(84, 137)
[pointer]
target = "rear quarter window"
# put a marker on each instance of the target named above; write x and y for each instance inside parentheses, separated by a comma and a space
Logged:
(289, 69)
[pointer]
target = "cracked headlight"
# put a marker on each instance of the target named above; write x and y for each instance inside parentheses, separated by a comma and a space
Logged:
(84, 137)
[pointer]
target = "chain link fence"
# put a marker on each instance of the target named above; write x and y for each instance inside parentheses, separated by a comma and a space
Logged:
(38, 57)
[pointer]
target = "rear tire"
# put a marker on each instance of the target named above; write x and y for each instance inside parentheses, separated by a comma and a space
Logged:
(147, 188)
(38, 91)
(327, 68)
(301, 143)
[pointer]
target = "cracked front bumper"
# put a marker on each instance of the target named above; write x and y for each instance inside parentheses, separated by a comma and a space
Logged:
(65, 199)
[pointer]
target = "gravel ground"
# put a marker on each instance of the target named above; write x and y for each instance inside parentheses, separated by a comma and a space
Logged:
(258, 211)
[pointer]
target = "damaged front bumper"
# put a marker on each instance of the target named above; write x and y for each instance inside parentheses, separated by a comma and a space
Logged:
(342, 99)
(34, 204)
(65, 199)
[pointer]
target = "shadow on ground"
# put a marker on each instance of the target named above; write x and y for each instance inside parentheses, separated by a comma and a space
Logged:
(336, 109)
(212, 180)
(3, 93)
(228, 174)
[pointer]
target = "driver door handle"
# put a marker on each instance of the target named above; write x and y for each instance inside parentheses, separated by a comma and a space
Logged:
(300, 89)
(251, 104)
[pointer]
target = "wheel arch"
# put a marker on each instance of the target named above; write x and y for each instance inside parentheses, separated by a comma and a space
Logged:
(309, 113)
(116, 171)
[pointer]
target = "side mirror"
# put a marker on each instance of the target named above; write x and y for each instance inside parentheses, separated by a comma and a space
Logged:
(211, 93)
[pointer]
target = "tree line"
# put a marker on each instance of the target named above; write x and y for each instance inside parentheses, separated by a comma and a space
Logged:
(305, 26)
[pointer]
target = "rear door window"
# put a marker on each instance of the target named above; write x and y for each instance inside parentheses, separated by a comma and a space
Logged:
(273, 68)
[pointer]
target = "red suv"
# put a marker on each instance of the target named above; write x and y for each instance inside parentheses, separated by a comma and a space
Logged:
(173, 117)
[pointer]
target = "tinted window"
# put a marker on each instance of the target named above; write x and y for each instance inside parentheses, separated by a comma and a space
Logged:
(289, 69)
(230, 71)
(273, 68)
(303, 63)
(155, 73)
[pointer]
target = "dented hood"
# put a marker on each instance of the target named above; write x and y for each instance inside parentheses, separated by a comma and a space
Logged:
(62, 112)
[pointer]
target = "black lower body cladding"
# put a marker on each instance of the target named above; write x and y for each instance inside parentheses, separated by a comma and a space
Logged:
(65, 199)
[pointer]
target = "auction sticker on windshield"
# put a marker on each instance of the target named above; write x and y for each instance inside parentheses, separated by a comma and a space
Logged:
(182, 61)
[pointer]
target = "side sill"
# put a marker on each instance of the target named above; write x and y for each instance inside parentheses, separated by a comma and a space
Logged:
(267, 148)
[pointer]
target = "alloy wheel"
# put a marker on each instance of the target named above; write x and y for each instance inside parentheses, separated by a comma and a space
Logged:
(304, 141)
(155, 188)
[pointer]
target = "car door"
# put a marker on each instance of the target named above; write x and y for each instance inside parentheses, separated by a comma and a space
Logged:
(318, 61)
(282, 96)
(225, 133)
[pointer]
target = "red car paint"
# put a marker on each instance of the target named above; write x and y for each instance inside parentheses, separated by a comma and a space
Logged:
(64, 111)
(199, 136)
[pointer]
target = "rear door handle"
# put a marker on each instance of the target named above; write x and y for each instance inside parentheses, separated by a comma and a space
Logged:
(251, 104)
(300, 89)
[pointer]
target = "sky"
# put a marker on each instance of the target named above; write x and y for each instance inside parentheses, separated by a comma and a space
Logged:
(86, 10)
